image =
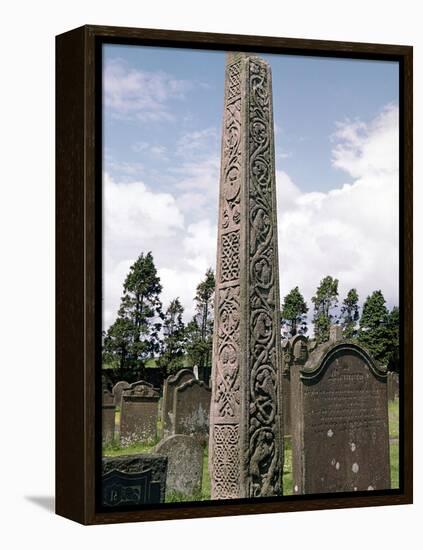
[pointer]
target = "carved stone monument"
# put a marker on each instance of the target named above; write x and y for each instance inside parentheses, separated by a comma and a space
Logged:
(133, 480)
(340, 438)
(184, 463)
(171, 383)
(191, 409)
(108, 417)
(246, 444)
(139, 413)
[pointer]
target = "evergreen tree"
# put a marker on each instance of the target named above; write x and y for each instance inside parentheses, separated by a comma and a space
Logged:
(200, 330)
(325, 302)
(393, 344)
(379, 330)
(134, 336)
(173, 345)
(117, 344)
(350, 314)
(294, 314)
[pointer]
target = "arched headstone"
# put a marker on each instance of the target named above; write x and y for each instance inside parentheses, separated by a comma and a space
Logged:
(171, 383)
(339, 421)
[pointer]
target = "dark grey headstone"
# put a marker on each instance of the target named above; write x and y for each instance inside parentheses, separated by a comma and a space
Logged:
(171, 383)
(185, 463)
(108, 417)
(118, 388)
(191, 409)
(139, 413)
(339, 422)
(133, 480)
(286, 387)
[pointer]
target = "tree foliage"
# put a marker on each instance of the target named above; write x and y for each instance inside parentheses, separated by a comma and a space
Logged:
(199, 331)
(379, 330)
(134, 336)
(325, 303)
(173, 343)
(350, 314)
(294, 314)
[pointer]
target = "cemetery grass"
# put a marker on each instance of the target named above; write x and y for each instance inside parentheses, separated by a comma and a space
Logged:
(393, 411)
(113, 449)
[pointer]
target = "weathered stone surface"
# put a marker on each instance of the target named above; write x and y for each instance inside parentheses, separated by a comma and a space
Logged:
(339, 421)
(393, 386)
(133, 480)
(286, 386)
(246, 444)
(139, 413)
(294, 353)
(108, 416)
(184, 463)
(171, 383)
(191, 409)
(118, 388)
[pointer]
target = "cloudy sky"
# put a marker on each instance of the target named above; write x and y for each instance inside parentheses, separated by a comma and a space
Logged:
(336, 141)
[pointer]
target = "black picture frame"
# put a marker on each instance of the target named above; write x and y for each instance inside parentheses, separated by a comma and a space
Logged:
(78, 269)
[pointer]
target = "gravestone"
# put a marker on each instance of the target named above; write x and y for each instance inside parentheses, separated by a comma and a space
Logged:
(108, 417)
(191, 409)
(118, 388)
(294, 354)
(133, 480)
(171, 383)
(339, 421)
(286, 387)
(246, 443)
(393, 386)
(184, 463)
(139, 413)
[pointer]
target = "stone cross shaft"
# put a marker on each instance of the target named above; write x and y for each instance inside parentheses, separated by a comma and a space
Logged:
(246, 443)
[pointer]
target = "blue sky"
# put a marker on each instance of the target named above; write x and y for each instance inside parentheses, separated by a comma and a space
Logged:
(336, 125)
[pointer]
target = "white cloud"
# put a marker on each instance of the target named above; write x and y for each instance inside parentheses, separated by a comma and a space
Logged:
(197, 187)
(140, 94)
(136, 220)
(197, 141)
(350, 233)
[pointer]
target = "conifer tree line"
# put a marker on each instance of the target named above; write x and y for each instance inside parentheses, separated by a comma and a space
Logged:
(143, 332)
(377, 328)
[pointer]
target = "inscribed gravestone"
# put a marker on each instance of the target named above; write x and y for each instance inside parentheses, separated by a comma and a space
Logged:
(191, 408)
(118, 388)
(246, 443)
(185, 463)
(171, 383)
(340, 432)
(139, 413)
(108, 417)
(133, 480)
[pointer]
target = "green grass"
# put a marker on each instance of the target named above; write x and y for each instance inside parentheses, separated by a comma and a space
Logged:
(287, 467)
(113, 449)
(393, 411)
(394, 452)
